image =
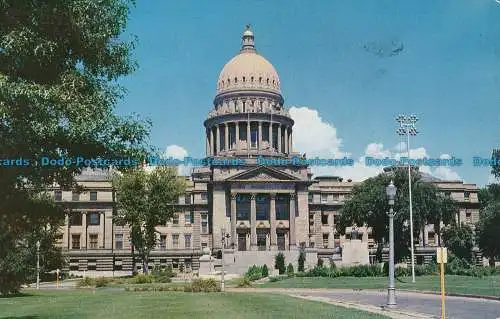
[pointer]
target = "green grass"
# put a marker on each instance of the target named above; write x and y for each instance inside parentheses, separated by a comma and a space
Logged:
(486, 286)
(123, 305)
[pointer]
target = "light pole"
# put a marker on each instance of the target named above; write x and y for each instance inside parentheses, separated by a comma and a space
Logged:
(407, 127)
(224, 237)
(391, 291)
(38, 264)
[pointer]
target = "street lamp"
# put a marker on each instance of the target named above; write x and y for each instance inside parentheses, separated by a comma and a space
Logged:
(391, 291)
(224, 237)
(407, 127)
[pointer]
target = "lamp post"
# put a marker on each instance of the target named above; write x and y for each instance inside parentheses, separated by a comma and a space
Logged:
(407, 127)
(38, 264)
(391, 291)
(224, 237)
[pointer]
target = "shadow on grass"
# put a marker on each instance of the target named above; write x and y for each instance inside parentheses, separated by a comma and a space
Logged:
(22, 317)
(21, 294)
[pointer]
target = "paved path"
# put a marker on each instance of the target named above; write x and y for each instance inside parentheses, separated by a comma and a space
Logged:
(456, 307)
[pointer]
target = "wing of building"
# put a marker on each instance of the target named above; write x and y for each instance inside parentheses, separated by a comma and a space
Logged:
(264, 209)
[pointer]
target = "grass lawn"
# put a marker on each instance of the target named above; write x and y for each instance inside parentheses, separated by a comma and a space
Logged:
(118, 304)
(487, 286)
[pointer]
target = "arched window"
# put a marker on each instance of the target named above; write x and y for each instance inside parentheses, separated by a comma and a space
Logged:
(244, 79)
(267, 81)
(235, 80)
(260, 79)
(251, 79)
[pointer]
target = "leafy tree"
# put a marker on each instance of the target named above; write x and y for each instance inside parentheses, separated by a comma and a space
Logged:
(368, 205)
(459, 238)
(146, 200)
(59, 66)
(495, 169)
(487, 231)
(279, 263)
(265, 271)
(488, 195)
(289, 270)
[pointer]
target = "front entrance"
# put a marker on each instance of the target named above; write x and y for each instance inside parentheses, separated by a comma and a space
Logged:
(262, 240)
(281, 241)
(242, 241)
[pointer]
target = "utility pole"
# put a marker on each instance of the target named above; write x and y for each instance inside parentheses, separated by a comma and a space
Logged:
(224, 237)
(407, 127)
(391, 291)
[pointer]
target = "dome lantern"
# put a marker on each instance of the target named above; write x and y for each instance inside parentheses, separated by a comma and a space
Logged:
(248, 40)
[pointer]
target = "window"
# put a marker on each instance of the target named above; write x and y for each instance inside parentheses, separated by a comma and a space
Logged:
(93, 241)
(203, 196)
(187, 218)
(468, 217)
(93, 195)
(311, 220)
(118, 241)
(75, 219)
(324, 198)
(282, 207)
(310, 197)
(175, 263)
(204, 245)
(75, 196)
(242, 207)
(467, 196)
(325, 240)
(175, 219)
(93, 219)
(187, 199)
(204, 223)
(175, 241)
(187, 241)
(75, 241)
(262, 206)
(163, 242)
(324, 218)
(58, 195)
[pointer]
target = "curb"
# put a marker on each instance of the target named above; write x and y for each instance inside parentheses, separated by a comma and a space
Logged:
(392, 313)
(428, 292)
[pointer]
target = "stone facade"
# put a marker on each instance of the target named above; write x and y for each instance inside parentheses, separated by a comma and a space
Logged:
(264, 209)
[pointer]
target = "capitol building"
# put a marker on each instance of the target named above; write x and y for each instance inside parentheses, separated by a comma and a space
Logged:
(263, 209)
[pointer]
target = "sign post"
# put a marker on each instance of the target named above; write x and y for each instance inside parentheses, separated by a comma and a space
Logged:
(442, 258)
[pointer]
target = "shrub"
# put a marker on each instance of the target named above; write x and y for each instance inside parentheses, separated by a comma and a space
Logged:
(254, 273)
(265, 271)
(279, 263)
(332, 264)
(302, 259)
(245, 282)
(289, 270)
(85, 282)
(202, 285)
(162, 275)
(142, 279)
(101, 282)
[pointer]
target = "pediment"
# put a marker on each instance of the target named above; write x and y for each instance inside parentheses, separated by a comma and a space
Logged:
(263, 174)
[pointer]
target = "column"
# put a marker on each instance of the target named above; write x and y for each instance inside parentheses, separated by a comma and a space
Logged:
(331, 233)
(260, 135)
(102, 231)
(292, 221)
(237, 135)
(248, 135)
(84, 231)
(291, 142)
(207, 141)
(426, 235)
(234, 238)
(226, 137)
(253, 224)
(211, 142)
(279, 138)
(271, 135)
(217, 137)
(286, 140)
(272, 210)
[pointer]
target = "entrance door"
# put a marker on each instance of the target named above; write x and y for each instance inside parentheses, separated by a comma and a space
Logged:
(261, 241)
(242, 241)
(281, 241)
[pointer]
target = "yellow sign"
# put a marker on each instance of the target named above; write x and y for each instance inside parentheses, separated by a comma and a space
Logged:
(442, 255)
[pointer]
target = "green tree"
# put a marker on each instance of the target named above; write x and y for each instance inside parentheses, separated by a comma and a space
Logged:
(289, 270)
(265, 271)
(495, 169)
(146, 200)
(368, 205)
(302, 259)
(59, 65)
(459, 238)
(487, 231)
(279, 263)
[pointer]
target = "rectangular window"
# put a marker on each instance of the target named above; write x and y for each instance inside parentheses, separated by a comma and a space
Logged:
(204, 245)
(93, 196)
(175, 241)
(310, 197)
(75, 241)
(58, 195)
(187, 241)
(75, 219)
(175, 219)
(204, 223)
(93, 219)
(187, 218)
(325, 240)
(468, 217)
(324, 198)
(203, 196)
(175, 263)
(163, 242)
(118, 241)
(75, 196)
(467, 196)
(187, 199)
(324, 218)
(93, 241)
(311, 220)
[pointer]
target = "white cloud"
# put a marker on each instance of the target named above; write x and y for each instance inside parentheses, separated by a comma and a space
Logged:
(175, 151)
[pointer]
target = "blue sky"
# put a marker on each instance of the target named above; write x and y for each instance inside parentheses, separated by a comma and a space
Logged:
(332, 57)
